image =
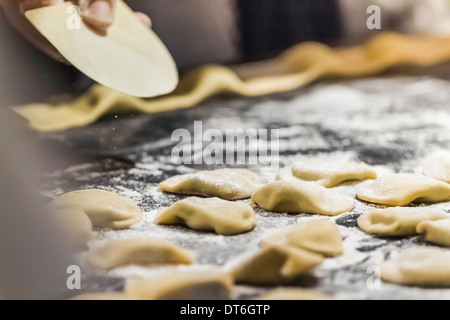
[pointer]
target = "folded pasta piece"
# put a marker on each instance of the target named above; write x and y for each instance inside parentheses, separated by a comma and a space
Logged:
(399, 221)
(76, 226)
(327, 174)
(437, 232)
(105, 209)
(302, 197)
(228, 184)
(210, 214)
(319, 236)
(210, 284)
(276, 264)
(427, 267)
(403, 188)
(293, 294)
(139, 251)
(438, 166)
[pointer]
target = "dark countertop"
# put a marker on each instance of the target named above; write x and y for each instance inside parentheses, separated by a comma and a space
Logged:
(391, 122)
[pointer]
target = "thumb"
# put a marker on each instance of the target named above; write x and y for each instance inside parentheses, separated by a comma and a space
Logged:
(99, 14)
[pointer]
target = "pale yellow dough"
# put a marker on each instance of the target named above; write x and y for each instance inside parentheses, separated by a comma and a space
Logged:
(302, 197)
(437, 232)
(276, 264)
(182, 285)
(227, 184)
(296, 67)
(427, 267)
(129, 57)
(403, 188)
(209, 214)
(139, 251)
(319, 236)
(293, 294)
(398, 221)
(76, 226)
(105, 209)
(326, 173)
(438, 166)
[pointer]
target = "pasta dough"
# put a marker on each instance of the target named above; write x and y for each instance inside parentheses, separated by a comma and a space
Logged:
(228, 184)
(129, 58)
(76, 225)
(403, 188)
(398, 221)
(293, 294)
(107, 296)
(438, 166)
(301, 197)
(437, 232)
(182, 285)
(139, 251)
(327, 174)
(223, 217)
(428, 267)
(297, 67)
(319, 236)
(276, 264)
(105, 209)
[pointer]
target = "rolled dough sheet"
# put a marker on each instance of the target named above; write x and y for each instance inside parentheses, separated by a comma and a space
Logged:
(130, 58)
(295, 68)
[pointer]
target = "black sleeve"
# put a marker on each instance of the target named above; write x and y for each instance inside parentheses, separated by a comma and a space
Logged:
(271, 26)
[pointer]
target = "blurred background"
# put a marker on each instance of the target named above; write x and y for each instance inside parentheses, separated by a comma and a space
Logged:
(197, 32)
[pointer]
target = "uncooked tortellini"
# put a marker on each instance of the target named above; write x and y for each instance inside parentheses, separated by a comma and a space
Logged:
(437, 232)
(327, 174)
(427, 267)
(105, 209)
(139, 251)
(319, 236)
(438, 166)
(276, 264)
(228, 184)
(302, 197)
(210, 284)
(210, 214)
(76, 226)
(399, 221)
(403, 188)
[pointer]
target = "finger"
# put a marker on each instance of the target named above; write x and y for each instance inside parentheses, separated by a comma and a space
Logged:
(99, 14)
(145, 19)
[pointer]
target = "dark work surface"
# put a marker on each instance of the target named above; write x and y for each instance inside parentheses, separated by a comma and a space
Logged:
(391, 122)
(268, 27)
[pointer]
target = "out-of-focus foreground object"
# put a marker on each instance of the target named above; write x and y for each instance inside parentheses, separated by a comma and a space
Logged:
(34, 255)
(129, 58)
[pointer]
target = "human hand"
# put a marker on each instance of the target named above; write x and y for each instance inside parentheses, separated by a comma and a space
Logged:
(98, 14)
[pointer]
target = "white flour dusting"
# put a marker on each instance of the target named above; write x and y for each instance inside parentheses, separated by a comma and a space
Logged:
(392, 123)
